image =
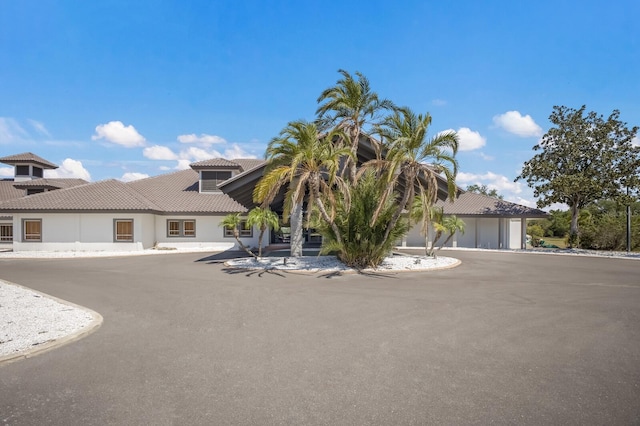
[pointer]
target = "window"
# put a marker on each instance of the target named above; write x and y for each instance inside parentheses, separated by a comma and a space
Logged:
(31, 230)
(31, 191)
(123, 230)
(244, 231)
(181, 228)
(37, 171)
(22, 170)
(209, 180)
(6, 232)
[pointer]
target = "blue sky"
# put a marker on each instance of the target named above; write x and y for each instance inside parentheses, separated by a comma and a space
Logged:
(126, 89)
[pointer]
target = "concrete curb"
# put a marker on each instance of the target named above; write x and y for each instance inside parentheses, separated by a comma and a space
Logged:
(55, 343)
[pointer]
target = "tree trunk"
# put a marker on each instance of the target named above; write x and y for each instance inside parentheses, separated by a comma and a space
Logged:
(236, 234)
(296, 230)
(573, 231)
(354, 161)
(260, 242)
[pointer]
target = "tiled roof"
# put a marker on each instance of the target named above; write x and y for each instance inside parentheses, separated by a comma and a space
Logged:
(215, 163)
(8, 191)
(472, 204)
(179, 193)
(249, 163)
(27, 157)
(50, 183)
(106, 195)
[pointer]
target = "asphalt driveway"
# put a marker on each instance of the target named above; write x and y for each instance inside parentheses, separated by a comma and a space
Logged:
(504, 338)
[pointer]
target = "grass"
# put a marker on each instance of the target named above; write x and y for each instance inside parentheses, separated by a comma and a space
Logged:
(560, 242)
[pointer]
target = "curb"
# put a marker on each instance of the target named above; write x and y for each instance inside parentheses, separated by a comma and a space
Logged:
(95, 323)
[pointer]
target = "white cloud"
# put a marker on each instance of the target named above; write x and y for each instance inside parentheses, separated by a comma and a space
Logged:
(438, 102)
(164, 168)
(6, 171)
(635, 141)
(131, 176)
(198, 154)
(237, 152)
(11, 131)
(468, 140)
(39, 127)
(203, 139)
(159, 152)
(486, 157)
(516, 123)
(118, 133)
(69, 169)
(495, 181)
(183, 164)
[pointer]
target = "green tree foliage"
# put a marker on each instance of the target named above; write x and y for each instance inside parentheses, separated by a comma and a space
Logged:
(349, 106)
(363, 245)
(445, 225)
(263, 219)
(581, 159)
(412, 161)
(307, 163)
(603, 226)
(484, 190)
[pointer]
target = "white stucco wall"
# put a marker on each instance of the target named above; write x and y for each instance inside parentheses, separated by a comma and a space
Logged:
(83, 232)
(515, 238)
(209, 233)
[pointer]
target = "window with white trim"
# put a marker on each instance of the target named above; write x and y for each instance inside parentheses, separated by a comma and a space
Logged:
(31, 230)
(123, 230)
(6, 232)
(244, 231)
(181, 228)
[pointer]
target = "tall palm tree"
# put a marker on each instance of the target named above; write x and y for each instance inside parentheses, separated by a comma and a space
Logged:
(308, 163)
(348, 106)
(234, 221)
(263, 219)
(413, 162)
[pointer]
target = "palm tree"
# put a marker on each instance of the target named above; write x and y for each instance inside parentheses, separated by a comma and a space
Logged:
(348, 106)
(446, 224)
(308, 163)
(425, 213)
(413, 161)
(234, 221)
(263, 219)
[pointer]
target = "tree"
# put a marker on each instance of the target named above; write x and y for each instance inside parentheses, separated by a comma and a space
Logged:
(424, 213)
(308, 163)
(579, 160)
(412, 162)
(484, 190)
(263, 219)
(348, 106)
(234, 221)
(363, 245)
(445, 225)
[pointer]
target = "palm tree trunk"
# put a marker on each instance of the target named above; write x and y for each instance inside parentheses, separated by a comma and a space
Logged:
(296, 230)
(236, 234)
(398, 213)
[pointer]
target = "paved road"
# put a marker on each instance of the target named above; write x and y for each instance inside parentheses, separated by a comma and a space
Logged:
(504, 339)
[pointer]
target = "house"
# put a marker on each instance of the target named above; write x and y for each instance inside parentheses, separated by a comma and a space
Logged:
(28, 180)
(184, 209)
(180, 209)
(489, 223)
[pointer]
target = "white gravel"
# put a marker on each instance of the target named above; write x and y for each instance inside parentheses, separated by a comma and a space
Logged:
(332, 264)
(29, 319)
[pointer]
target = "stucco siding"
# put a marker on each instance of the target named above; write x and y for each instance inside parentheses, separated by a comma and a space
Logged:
(83, 232)
(209, 233)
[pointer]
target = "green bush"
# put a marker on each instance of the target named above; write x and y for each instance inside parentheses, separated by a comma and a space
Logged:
(363, 245)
